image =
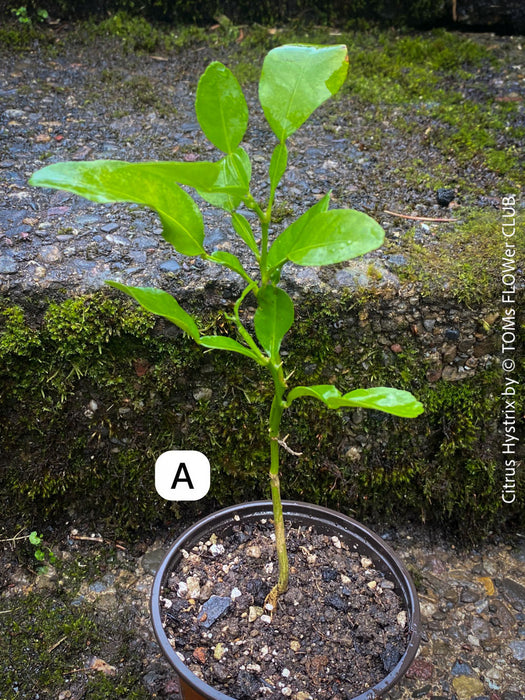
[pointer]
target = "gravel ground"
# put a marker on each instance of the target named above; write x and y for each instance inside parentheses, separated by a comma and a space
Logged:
(92, 100)
(84, 102)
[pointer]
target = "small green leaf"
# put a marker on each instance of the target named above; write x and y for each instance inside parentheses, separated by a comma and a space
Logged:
(278, 164)
(283, 244)
(323, 392)
(273, 318)
(222, 257)
(395, 401)
(335, 236)
(244, 231)
(151, 184)
(233, 181)
(34, 538)
(220, 342)
(161, 303)
(221, 107)
(295, 80)
(39, 555)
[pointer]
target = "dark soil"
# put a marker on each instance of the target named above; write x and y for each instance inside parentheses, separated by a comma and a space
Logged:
(338, 630)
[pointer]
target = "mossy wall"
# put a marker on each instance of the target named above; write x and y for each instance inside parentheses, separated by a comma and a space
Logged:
(93, 390)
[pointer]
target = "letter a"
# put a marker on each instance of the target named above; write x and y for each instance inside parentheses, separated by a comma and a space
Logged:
(178, 478)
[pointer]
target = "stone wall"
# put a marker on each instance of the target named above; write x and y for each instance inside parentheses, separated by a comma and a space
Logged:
(94, 391)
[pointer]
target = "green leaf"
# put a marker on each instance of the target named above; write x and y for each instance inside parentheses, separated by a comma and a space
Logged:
(232, 183)
(34, 538)
(335, 236)
(395, 401)
(151, 184)
(273, 318)
(278, 164)
(283, 244)
(220, 342)
(161, 303)
(222, 257)
(39, 555)
(295, 80)
(244, 231)
(221, 107)
(324, 392)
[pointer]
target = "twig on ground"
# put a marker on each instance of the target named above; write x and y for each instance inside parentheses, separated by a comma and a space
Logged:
(16, 537)
(418, 218)
(78, 670)
(98, 540)
(57, 644)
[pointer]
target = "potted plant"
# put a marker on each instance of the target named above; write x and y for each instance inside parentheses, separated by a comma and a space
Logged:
(295, 80)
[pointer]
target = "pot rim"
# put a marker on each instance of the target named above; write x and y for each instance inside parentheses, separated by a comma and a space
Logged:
(363, 537)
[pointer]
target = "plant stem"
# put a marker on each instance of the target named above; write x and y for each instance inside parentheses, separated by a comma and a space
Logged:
(264, 252)
(276, 413)
(262, 359)
(278, 405)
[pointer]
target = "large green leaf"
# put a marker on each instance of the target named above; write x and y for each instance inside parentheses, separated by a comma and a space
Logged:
(232, 183)
(105, 180)
(335, 236)
(273, 318)
(395, 401)
(161, 303)
(219, 342)
(295, 80)
(151, 184)
(221, 107)
(283, 244)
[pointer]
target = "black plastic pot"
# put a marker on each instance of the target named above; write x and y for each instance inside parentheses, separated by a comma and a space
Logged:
(323, 520)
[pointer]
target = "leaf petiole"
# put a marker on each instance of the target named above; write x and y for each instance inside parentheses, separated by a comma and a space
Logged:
(236, 319)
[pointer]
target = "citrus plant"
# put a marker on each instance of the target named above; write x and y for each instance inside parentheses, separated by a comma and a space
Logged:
(295, 81)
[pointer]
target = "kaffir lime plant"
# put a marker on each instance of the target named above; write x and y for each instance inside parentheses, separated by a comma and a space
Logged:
(295, 80)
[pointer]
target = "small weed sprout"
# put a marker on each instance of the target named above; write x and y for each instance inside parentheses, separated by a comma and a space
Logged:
(295, 81)
(41, 553)
(23, 17)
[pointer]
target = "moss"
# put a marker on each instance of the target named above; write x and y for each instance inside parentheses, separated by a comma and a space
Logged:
(281, 211)
(393, 68)
(58, 627)
(98, 390)
(463, 259)
(470, 131)
(136, 34)
(39, 622)
(246, 72)
(16, 37)
(101, 687)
